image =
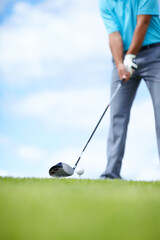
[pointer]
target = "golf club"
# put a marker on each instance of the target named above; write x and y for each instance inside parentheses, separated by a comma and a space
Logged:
(64, 170)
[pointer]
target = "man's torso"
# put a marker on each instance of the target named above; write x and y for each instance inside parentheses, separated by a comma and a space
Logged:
(124, 13)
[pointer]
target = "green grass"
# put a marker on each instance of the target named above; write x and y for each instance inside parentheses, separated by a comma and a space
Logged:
(79, 209)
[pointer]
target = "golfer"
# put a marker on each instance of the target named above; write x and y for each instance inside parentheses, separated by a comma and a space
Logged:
(134, 38)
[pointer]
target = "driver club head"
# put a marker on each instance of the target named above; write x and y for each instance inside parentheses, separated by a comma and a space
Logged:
(61, 170)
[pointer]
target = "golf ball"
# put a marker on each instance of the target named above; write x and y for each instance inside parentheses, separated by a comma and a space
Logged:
(80, 170)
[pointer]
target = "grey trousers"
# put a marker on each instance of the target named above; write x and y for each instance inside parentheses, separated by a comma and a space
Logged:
(148, 69)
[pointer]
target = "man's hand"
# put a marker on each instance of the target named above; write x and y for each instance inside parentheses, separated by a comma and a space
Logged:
(122, 72)
(130, 64)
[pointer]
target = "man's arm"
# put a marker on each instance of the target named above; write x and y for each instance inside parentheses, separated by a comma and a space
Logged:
(116, 46)
(137, 40)
(139, 33)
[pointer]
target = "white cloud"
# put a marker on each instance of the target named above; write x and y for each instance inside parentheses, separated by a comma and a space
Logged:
(72, 108)
(36, 43)
(31, 154)
(151, 173)
(4, 173)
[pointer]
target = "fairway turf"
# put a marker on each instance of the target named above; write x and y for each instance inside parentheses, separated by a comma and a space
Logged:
(79, 209)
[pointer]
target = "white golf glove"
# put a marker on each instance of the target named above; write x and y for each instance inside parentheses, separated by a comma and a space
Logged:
(129, 63)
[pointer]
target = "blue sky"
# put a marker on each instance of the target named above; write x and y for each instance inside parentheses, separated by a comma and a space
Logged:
(55, 70)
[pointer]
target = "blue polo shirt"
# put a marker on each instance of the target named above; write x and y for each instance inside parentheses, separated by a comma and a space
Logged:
(121, 15)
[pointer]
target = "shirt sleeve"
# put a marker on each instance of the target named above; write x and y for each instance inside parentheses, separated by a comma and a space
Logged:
(108, 18)
(148, 7)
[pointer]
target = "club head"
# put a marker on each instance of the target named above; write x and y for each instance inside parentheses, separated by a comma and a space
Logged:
(61, 170)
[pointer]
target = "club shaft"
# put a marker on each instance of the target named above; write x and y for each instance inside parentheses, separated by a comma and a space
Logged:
(112, 98)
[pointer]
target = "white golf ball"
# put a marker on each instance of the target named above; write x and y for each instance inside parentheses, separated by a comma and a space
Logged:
(80, 171)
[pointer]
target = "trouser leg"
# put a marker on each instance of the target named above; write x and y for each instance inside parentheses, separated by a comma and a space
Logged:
(119, 119)
(154, 89)
(149, 64)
